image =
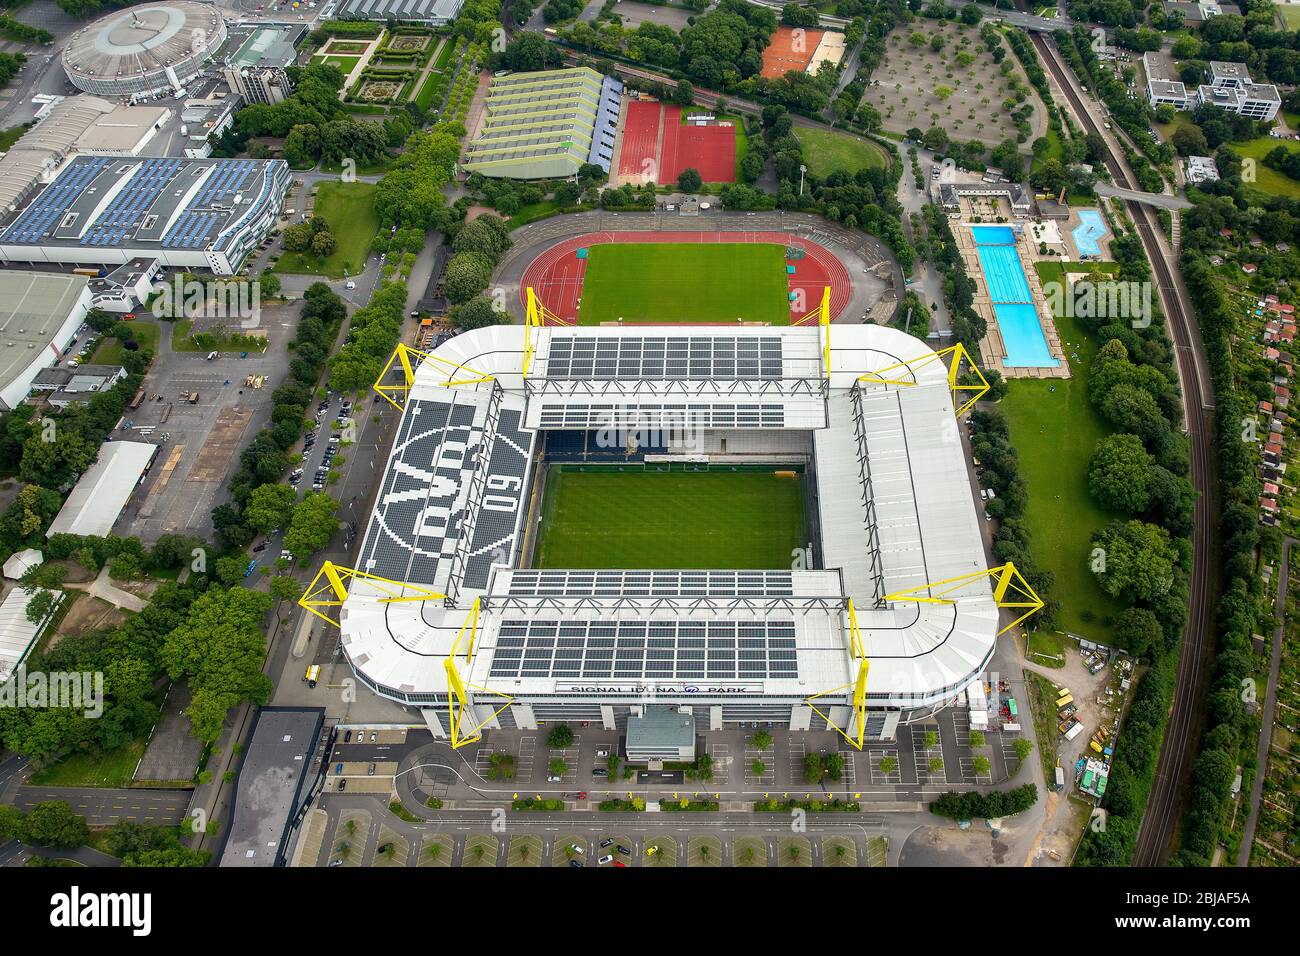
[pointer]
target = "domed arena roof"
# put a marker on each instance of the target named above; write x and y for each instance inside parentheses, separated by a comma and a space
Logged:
(132, 49)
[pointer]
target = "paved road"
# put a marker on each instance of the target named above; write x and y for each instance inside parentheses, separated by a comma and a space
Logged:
(1270, 704)
(104, 807)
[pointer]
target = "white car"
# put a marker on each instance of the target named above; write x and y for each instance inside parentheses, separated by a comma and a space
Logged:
(607, 858)
(602, 752)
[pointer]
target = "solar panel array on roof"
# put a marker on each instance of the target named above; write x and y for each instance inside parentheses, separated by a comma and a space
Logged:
(53, 203)
(602, 138)
(129, 207)
(497, 520)
(657, 357)
(684, 650)
(558, 415)
(612, 584)
(417, 519)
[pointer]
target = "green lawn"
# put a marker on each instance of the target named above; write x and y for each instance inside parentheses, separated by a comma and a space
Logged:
(113, 769)
(1055, 429)
(349, 208)
(638, 519)
(1290, 16)
(345, 63)
(110, 351)
(827, 150)
(685, 282)
(1269, 180)
(10, 136)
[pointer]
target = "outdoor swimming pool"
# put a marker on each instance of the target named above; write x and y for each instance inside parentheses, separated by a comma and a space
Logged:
(1013, 303)
(1089, 231)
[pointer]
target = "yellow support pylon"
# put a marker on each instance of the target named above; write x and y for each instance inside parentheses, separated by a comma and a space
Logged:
(859, 686)
(535, 316)
(959, 354)
(456, 374)
(335, 585)
(1009, 590)
(458, 697)
(824, 321)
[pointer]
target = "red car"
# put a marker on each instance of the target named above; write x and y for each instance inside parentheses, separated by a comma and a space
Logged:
(129, 316)
(619, 863)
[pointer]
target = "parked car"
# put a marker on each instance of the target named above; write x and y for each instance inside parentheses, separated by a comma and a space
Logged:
(605, 843)
(605, 859)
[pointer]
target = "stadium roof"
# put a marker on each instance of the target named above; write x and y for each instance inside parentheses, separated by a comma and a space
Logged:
(103, 491)
(892, 491)
(161, 203)
(546, 124)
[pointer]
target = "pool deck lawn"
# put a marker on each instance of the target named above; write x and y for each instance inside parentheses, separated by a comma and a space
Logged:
(1055, 430)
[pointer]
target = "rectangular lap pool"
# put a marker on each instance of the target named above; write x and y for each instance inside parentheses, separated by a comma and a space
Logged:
(1013, 303)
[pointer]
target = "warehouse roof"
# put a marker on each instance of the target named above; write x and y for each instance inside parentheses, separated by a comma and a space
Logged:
(103, 491)
(33, 306)
(403, 10)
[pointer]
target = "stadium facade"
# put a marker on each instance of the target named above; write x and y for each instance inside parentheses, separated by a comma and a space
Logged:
(546, 125)
(192, 213)
(443, 613)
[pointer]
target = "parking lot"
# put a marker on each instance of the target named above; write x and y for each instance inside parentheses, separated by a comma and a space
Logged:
(201, 440)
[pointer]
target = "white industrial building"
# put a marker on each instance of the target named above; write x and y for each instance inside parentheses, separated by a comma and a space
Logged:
(18, 633)
(102, 492)
(189, 213)
(890, 507)
(40, 313)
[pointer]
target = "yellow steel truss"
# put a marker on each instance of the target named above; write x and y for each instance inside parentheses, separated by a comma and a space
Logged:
(959, 353)
(536, 315)
(1010, 589)
(456, 374)
(333, 590)
(859, 685)
(458, 693)
(824, 320)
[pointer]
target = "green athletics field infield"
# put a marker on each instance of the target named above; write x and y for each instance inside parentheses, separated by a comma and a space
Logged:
(685, 282)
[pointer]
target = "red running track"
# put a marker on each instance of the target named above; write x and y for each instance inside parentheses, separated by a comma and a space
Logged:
(710, 150)
(640, 140)
(556, 275)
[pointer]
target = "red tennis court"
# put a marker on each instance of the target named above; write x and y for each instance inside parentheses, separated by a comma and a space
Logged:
(556, 275)
(790, 49)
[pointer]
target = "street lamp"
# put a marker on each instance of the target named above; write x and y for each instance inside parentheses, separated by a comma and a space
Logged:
(802, 169)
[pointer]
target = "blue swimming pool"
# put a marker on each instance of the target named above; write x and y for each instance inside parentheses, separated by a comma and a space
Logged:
(1089, 232)
(1013, 303)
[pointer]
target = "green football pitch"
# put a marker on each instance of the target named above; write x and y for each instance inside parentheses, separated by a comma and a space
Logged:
(648, 519)
(685, 282)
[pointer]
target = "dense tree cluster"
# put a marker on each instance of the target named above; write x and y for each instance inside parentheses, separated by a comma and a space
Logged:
(313, 104)
(973, 804)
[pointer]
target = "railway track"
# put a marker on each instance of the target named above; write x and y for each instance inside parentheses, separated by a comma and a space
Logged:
(1179, 746)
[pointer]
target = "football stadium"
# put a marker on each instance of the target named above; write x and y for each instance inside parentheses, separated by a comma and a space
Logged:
(745, 522)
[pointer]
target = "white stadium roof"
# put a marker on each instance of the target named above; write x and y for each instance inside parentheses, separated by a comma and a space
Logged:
(891, 485)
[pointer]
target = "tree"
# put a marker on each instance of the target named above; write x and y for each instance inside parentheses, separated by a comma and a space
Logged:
(942, 92)
(54, 824)
(467, 275)
(971, 14)
(477, 313)
(314, 521)
(560, 737)
(757, 767)
(888, 764)
(1023, 748)
(976, 738)
(270, 506)
(689, 180)
(219, 650)
(557, 767)
(761, 740)
(980, 764)
(1139, 631)
(1136, 560)
(54, 456)
(1189, 141)
(1119, 474)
